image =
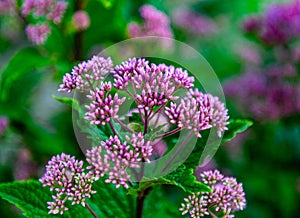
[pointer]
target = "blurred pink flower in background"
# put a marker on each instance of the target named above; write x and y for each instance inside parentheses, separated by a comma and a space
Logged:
(3, 125)
(7, 6)
(249, 54)
(155, 23)
(51, 10)
(194, 23)
(25, 168)
(38, 34)
(81, 20)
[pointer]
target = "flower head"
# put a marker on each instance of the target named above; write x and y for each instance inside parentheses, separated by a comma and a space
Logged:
(81, 20)
(198, 111)
(103, 106)
(156, 23)
(53, 10)
(38, 34)
(114, 158)
(226, 196)
(153, 84)
(86, 74)
(194, 23)
(66, 178)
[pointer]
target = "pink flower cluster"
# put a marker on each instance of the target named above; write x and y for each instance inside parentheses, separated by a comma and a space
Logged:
(103, 106)
(152, 85)
(196, 24)
(66, 177)
(115, 158)
(199, 111)
(278, 25)
(226, 196)
(38, 33)
(156, 23)
(7, 6)
(49, 10)
(87, 74)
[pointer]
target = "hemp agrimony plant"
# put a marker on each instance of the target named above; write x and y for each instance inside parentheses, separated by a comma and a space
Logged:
(162, 102)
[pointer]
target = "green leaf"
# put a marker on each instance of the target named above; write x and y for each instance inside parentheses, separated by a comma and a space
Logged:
(23, 62)
(158, 205)
(68, 101)
(29, 196)
(182, 177)
(107, 3)
(32, 198)
(234, 127)
(111, 202)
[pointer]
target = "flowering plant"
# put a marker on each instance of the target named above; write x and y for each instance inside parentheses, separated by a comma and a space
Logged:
(124, 151)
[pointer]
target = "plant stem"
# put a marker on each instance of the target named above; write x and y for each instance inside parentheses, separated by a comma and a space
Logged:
(146, 122)
(170, 133)
(140, 202)
(177, 151)
(112, 128)
(78, 40)
(123, 125)
(91, 210)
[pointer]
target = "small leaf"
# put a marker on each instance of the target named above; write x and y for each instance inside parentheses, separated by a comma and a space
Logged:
(23, 62)
(182, 177)
(68, 101)
(234, 127)
(107, 3)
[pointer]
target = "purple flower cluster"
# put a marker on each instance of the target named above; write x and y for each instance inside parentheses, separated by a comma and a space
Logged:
(67, 179)
(194, 23)
(115, 158)
(199, 111)
(103, 106)
(278, 25)
(49, 10)
(38, 33)
(226, 196)
(266, 94)
(269, 89)
(87, 74)
(6, 6)
(3, 125)
(152, 85)
(156, 23)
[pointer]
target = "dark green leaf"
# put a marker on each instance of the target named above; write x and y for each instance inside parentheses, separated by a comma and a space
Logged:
(23, 62)
(29, 196)
(111, 202)
(182, 177)
(234, 127)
